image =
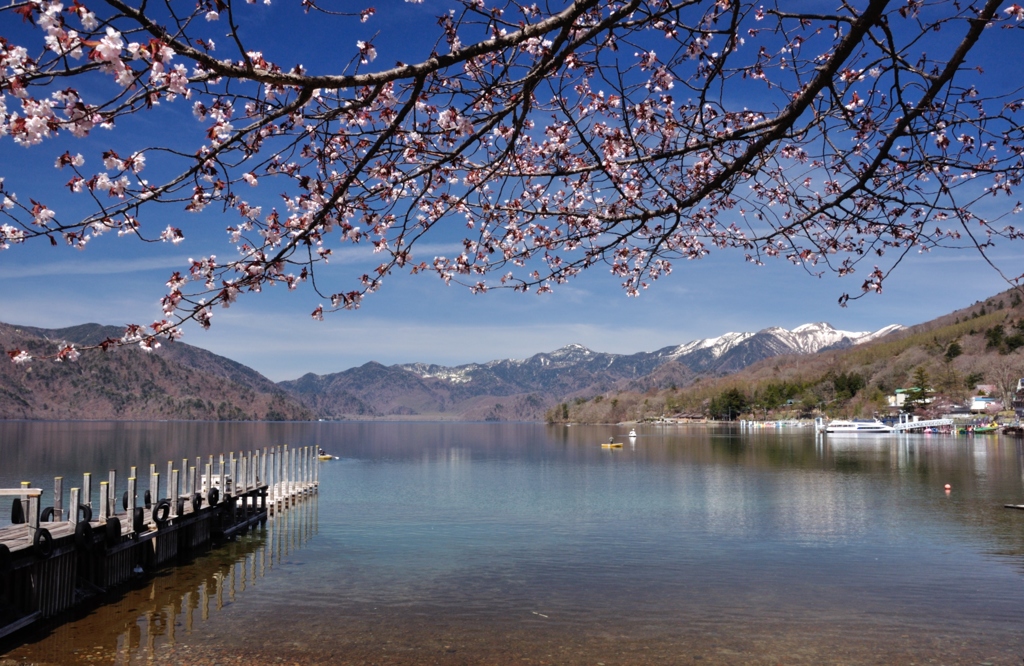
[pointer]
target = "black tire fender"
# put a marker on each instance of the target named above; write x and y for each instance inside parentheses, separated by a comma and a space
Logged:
(162, 511)
(42, 544)
(17, 513)
(212, 497)
(148, 499)
(83, 536)
(47, 515)
(139, 519)
(124, 500)
(180, 507)
(5, 559)
(86, 512)
(112, 531)
(197, 502)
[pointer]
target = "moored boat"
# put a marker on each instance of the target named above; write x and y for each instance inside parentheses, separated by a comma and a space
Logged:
(856, 427)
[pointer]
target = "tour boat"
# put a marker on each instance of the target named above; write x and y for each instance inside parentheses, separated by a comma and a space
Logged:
(632, 434)
(857, 427)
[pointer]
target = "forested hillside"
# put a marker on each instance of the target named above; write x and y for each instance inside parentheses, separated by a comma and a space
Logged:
(176, 381)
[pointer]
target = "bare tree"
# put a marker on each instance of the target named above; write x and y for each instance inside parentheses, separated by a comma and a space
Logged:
(630, 134)
(1006, 370)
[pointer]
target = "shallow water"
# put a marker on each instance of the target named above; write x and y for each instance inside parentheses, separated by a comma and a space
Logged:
(523, 543)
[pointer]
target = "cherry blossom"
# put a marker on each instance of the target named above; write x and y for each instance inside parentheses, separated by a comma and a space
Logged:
(618, 136)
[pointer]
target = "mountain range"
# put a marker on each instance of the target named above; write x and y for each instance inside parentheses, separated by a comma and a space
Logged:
(514, 389)
(179, 381)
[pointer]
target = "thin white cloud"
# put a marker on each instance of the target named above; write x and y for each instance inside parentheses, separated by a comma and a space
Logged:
(342, 256)
(98, 267)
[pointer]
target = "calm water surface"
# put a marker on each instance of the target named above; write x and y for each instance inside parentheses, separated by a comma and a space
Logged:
(528, 544)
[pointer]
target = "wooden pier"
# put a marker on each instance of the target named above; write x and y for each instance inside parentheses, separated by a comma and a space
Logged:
(55, 557)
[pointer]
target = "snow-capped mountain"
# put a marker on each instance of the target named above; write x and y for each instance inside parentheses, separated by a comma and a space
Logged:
(420, 388)
(726, 353)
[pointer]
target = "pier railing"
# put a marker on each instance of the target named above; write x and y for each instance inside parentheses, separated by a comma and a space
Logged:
(54, 557)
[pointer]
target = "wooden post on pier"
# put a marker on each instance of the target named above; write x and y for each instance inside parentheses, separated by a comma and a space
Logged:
(291, 474)
(58, 499)
(23, 501)
(87, 489)
(172, 490)
(234, 488)
(73, 509)
(154, 487)
(223, 486)
(104, 501)
(132, 503)
(279, 475)
(243, 474)
(32, 515)
(284, 474)
(112, 493)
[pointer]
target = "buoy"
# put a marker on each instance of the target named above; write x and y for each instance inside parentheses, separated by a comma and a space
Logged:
(949, 487)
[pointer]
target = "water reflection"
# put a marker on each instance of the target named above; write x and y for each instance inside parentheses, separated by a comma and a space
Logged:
(511, 542)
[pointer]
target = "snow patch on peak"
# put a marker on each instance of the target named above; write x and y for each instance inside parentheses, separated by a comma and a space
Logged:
(816, 326)
(880, 333)
(570, 349)
(718, 346)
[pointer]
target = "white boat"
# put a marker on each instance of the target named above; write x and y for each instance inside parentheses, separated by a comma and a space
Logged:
(632, 434)
(857, 427)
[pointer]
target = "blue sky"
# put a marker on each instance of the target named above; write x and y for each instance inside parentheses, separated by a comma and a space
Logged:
(418, 318)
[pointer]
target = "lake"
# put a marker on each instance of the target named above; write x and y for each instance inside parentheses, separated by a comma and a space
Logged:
(454, 543)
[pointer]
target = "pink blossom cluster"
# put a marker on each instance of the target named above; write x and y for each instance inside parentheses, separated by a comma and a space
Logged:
(622, 135)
